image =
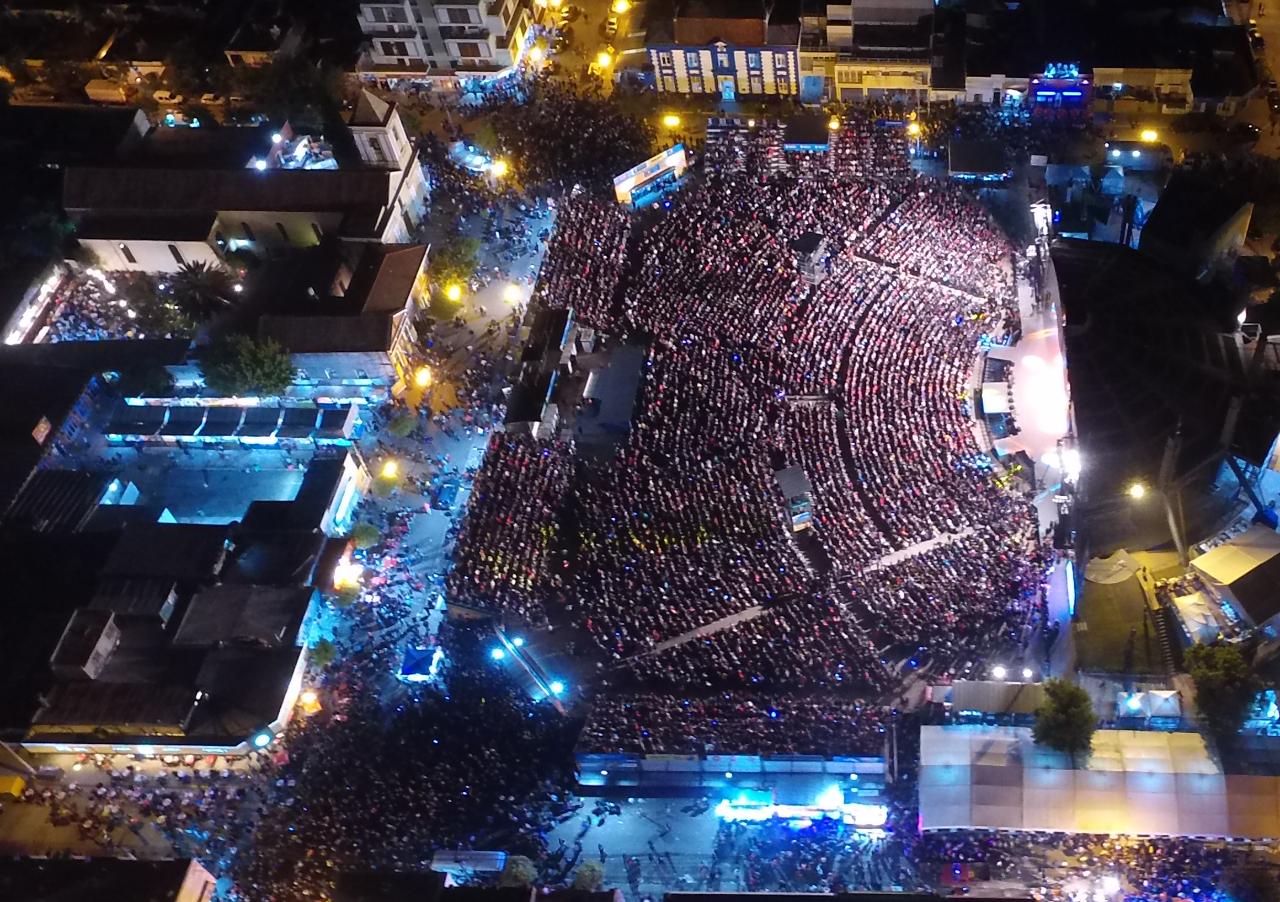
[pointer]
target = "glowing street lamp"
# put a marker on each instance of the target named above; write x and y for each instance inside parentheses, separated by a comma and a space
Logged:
(833, 123)
(1149, 136)
(453, 291)
(536, 54)
(511, 294)
(671, 120)
(309, 702)
(422, 377)
(913, 129)
(346, 575)
(499, 168)
(621, 7)
(999, 671)
(1137, 491)
(390, 469)
(604, 59)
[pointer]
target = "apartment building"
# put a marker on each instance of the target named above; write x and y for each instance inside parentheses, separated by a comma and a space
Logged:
(443, 42)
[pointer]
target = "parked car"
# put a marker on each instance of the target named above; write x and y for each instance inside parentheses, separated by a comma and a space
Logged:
(104, 90)
(212, 99)
(611, 26)
(446, 495)
(167, 97)
(1273, 101)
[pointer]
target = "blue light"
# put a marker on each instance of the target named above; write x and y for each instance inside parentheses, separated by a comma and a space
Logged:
(518, 642)
(556, 687)
(1134, 703)
(262, 739)
(773, 713)
(1072, 93)
(497, 654)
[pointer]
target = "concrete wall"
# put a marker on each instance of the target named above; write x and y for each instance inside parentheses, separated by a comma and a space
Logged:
(148, 256)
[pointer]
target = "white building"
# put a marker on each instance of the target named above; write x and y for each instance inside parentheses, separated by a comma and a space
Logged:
(441, 42)
(287, 193)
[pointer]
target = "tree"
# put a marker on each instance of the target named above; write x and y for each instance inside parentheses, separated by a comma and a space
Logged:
(323, 653)
(240, 365)
(589, 876)
(1066, 720)
(364, 535)
(454, 260)
(202, 289)
(1225, 686)
(401, 426)
(1251, 883)
(151, 381)
(518, 871)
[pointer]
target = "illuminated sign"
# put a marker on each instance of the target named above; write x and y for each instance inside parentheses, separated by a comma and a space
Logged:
(1061, 70)
(670, 160)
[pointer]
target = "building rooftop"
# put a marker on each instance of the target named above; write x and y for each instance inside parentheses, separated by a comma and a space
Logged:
(384, 276)
(330, 334)
(268, 616)
(181, 551)
(122, 189)
(84, 879)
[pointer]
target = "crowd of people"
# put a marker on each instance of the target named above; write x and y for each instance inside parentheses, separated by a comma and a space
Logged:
(650, 723)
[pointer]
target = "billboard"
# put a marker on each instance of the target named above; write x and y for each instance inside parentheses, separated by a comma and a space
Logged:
(651, 170)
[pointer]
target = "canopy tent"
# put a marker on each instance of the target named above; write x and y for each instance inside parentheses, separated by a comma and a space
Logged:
(1244, 572)
(1196, 614)
(1134, 783)
(1151, 703)
(996, 696)
(995, 397)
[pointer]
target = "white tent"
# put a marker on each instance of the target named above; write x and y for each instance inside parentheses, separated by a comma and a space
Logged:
(1196, 614)
(1244, 572)
(1134, 782)
(995, 397)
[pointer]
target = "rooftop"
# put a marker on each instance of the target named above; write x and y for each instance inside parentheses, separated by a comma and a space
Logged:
(269, 616)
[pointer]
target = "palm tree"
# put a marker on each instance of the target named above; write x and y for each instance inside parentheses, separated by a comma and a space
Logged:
(202, 289)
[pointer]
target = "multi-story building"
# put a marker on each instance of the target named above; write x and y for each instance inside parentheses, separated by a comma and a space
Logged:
(443, 41)
(252, 190)
(879, 51)
(727, 48)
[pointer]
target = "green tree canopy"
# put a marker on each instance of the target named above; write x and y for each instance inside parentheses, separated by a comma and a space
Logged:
(203, 290)
(1225, 686)
(1066, 720)
(364, 535)
(454, 260)
(1252, 883)
(518, 871)
(402, 425)
(323, 653)
(589, 876)
(240, 365)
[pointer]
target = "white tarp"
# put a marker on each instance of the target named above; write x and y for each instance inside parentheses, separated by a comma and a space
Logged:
(1134, 782)
(996, 696)
(1236, 557)
(1196, 614)
(995, 397)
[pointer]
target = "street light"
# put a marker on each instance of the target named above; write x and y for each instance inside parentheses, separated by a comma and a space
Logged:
(536, 54)
(1137, 491)
(1026, 673)
(1149, 136)
(422, 378)
(511, 294)
(913, 129)
(390, 469)
(499, 169)
(833, 123)
(621, 7)
(999, 672)
(671, 120)
(453, 291)
(604, 59)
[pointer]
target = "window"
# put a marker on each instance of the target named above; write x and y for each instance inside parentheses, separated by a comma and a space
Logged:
(396, 15)
(377, 151)
(128, 254)
(665, 60)
(394, 48)
(722, 59)
(177, 254)
(471, 49)
(669, 84)
(692, 59)
(248, 232)
(377, 13)
(458, 16)
(315, 230)
(753, 59)
(757, 84)
(781, 62)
